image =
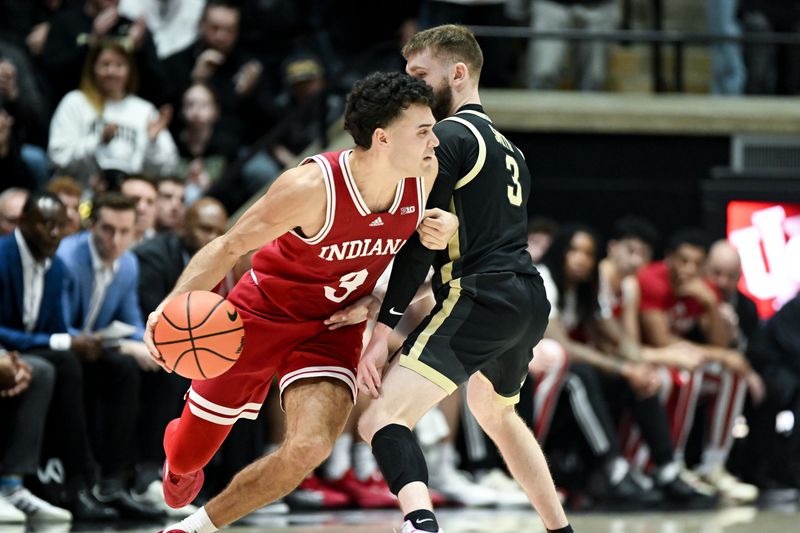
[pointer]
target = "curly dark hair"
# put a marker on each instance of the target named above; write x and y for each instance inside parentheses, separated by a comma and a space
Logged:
(377, 100)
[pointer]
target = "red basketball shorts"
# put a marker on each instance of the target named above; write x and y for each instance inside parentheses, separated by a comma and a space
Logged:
(274, 345)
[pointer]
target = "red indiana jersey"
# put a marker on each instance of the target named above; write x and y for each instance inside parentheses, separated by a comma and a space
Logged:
(310, 278)
(657, 294)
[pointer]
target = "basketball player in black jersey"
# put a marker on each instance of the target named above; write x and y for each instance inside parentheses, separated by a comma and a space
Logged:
(491, 307)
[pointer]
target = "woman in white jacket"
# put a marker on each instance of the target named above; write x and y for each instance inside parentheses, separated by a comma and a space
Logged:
(103, 125)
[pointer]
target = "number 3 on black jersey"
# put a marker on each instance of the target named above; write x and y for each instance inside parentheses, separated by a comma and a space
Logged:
(514, 191)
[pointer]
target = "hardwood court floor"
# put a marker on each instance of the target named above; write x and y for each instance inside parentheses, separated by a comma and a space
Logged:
(727, 520)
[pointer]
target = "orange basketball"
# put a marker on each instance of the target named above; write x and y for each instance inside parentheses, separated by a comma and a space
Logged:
(199, 334)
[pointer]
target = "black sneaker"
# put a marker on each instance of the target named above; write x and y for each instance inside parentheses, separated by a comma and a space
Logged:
(680, 494)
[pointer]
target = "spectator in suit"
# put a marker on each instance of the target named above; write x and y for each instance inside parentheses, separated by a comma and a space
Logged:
(161, 261)
(11, 202)
(170, 204)
(24, 401)
(100, 287)
(144, 192)
(32, 321)
(104, 125)
(69, 191)
(738, 312)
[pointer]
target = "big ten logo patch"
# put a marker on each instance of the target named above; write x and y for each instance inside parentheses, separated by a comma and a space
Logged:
(767, 236)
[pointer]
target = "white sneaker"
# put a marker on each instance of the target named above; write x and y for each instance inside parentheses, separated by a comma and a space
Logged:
(154, 496)
(10, 514)
(730, 488)
(408, 527)
(696, 482)
(508, 491)
(35, 508)
(456, 486)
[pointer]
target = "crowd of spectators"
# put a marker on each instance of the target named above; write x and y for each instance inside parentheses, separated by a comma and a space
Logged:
(166, 115)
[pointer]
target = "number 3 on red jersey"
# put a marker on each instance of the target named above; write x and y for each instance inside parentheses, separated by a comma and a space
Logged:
(348, 283)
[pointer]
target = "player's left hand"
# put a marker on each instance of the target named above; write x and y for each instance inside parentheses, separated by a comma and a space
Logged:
(437, 228)
(365, 308)
(373, 361)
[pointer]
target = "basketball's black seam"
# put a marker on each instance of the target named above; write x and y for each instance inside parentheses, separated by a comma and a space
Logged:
(171, 323)
(209, 350)
(200, 336)
(191, 338)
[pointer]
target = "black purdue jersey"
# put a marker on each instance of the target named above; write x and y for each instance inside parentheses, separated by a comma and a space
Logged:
(490, 184)
(484, 180)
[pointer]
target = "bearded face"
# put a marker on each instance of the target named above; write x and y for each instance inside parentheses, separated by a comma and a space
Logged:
(442, 100)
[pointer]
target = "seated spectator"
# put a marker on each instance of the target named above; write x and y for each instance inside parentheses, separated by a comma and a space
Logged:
(22, 99)
(103, 125)
(161, 261)
(173, 23)
(11, 202)
(32, 321)
(100, 288)
(775, 353)
(69, 191)
(738, 312)
(678, 305)
(170, 204)
(144, 193)
(302, 100)
(547, 58)
(613, 377)
(217, 59)
(80, 27)
(24, 402)
(204, 151)
(12, 165)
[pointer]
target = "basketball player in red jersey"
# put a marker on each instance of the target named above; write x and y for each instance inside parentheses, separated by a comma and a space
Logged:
(326, 231)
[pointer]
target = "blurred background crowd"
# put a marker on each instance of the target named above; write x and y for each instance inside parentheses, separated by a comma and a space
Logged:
(131, 130)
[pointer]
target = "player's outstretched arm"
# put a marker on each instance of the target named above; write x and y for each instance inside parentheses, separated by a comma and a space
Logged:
(296, 199)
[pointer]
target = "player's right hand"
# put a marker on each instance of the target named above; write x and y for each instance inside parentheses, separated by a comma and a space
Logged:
(155, 355)
(373, 361)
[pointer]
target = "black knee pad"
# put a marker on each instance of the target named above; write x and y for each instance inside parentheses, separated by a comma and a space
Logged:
(399, 456)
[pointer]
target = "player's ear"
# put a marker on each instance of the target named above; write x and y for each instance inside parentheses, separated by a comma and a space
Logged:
(380, 137)
(460, 73)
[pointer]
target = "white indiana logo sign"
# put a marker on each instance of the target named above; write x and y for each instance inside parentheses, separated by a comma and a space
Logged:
(779, 276)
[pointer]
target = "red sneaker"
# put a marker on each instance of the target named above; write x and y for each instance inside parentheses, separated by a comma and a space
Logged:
(180, 491)
(372, 493)
(314, 494)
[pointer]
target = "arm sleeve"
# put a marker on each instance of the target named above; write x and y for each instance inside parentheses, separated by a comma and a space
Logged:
(413, 262)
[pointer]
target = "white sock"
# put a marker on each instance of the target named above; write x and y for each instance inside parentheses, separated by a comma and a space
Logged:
(713, 458)
(339, 462)
(364, 464)
(199, 522)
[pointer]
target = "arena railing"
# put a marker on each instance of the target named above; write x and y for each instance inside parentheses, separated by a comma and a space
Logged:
(678, 40)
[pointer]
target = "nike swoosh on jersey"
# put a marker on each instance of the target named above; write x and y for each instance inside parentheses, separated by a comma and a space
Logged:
(393, 312)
